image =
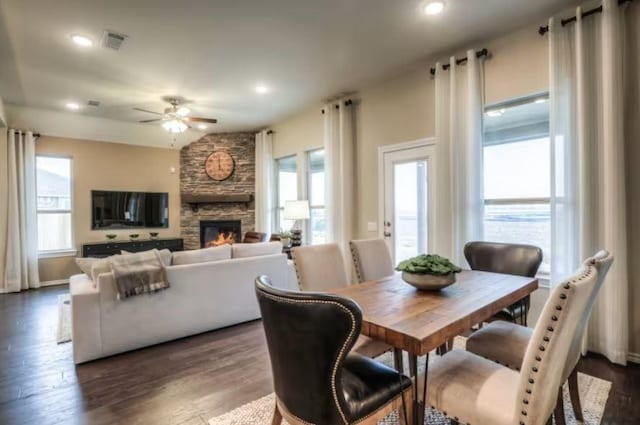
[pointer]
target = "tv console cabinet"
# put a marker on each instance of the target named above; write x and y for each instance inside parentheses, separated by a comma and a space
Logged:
(105, 249)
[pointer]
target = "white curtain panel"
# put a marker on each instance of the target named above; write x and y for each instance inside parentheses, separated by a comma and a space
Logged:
(264, 182)
(21, 257)
(588, 205)
(459, 113)
(339, 166)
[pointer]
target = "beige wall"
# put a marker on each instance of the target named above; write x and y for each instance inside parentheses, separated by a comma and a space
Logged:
(110, 166)
(402, 109)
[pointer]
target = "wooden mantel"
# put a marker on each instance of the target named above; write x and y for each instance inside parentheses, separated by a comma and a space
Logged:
(197, 199)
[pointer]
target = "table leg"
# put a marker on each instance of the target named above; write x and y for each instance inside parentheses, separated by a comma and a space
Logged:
(398, 362)
(418, 405)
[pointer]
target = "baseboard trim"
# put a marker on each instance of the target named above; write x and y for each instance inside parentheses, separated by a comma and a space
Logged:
(633, 357)
(55, 282)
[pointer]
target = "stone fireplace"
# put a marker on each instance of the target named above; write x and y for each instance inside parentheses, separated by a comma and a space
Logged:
(195, 181)
(219, 232)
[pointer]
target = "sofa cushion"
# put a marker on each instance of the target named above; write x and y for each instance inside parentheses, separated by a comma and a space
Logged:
(164, 254)
(204, 255)
(244, 250)
(92, 267)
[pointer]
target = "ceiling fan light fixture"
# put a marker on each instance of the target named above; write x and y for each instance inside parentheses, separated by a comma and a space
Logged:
(174, 126)
(183, 111)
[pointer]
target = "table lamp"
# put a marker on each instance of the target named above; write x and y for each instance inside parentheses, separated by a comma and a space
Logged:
(296, 211)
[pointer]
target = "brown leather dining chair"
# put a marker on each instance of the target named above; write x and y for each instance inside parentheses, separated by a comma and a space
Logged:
(515, 259)
(506, 343)
(320, 268)
(254, 237)
(475, 390)
(317, 380)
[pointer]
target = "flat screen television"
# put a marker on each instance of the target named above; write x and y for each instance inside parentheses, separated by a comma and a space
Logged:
(127, 210)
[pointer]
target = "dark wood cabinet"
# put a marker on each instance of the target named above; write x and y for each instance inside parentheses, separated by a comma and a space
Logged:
(105, 249)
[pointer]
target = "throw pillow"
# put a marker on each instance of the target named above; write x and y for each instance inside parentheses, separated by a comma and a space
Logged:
(204, 255)
(164, 254)
(243, 250)
(85, 264)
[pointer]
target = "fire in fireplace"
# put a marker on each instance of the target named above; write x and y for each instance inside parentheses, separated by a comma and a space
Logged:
(219, 232)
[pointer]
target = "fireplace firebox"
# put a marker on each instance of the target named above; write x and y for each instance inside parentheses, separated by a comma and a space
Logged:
(219, 232)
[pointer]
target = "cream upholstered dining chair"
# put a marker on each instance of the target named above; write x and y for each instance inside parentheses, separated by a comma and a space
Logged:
(371, 259)
(320, 268)
(475, 390)
(506, 343)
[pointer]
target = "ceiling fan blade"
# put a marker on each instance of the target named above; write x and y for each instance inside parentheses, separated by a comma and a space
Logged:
(153, 120)
(147, 111)
(198, 119)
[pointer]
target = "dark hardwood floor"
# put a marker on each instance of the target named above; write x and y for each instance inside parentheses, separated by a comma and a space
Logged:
(183, 382)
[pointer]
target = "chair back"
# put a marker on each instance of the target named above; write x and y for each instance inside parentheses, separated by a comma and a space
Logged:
(320, 267)
(308, 336)
(515, 259)
(602, 262)
(549, 346)
(371, 259)
(254, 237)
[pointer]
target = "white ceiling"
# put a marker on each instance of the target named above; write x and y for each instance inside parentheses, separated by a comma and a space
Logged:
(215, 52)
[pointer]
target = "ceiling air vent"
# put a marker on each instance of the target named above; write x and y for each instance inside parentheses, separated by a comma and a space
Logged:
(94, 103)
(113, 40)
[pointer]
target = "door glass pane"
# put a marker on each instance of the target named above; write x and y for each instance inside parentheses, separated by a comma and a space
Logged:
(318, 226)
(54, 231)
(410, 209)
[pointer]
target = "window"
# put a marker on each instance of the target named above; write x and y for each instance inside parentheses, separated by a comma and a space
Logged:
(287, 188)
(53, 191)
(315, 181)
(517, 174)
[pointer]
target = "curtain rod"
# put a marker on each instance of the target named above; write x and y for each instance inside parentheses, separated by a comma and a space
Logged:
(545, 29)
(479, 54)
(25, 131)
(347, 102)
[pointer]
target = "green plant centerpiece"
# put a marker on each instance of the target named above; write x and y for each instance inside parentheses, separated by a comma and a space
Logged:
(428, 272)
(285, 238)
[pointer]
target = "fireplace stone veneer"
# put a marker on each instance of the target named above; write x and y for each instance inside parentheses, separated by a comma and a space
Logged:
(194, 180)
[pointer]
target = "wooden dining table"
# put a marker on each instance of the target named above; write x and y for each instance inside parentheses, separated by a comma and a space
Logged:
(420, 321)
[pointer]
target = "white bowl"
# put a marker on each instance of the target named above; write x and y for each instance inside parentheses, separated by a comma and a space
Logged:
(429, 282)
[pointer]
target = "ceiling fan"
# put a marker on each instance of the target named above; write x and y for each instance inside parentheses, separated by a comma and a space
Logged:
(175, 118)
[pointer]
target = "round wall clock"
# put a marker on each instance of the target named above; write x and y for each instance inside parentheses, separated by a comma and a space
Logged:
(219, 165)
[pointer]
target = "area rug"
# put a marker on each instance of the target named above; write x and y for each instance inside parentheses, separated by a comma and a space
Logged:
(64, 318)
(594, 393)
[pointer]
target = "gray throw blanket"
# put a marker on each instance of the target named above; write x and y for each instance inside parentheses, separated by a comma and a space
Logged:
(138, 273)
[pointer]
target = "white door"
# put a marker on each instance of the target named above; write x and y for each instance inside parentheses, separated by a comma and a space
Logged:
(408, 202)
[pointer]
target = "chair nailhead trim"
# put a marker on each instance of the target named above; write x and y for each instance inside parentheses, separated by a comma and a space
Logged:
(546, 338)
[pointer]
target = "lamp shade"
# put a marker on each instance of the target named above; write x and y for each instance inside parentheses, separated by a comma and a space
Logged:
(296, 210)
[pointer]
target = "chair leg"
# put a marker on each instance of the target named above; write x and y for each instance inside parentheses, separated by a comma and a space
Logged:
(575, 395)
(407, 407)
(559, 410)
(277, 416)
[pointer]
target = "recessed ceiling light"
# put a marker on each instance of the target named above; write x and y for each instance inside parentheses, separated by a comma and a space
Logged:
(81, 40)
(434, 8)
(495, 113)
(541, 100)
(73, 106)
(262, 89)
(183, 111)
(202, 126)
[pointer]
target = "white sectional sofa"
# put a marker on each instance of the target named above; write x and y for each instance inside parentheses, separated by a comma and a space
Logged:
(202, 297)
